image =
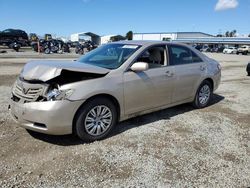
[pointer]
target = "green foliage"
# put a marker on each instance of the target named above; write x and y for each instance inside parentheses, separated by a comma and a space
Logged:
(231, 33)
(129, 35)
(117, 38)
(219, 35)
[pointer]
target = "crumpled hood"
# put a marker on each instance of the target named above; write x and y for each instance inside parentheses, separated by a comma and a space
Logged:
(46, 70)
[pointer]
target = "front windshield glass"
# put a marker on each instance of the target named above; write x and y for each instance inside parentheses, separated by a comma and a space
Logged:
(110, 56)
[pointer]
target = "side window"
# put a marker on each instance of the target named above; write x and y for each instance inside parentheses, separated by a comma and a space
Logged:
(196, 58)
(179, 55)
(154, 56)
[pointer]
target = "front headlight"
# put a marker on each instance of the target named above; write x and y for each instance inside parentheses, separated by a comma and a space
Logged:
(57, 94)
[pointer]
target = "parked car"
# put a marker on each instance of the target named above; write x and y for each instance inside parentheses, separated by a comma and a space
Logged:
(243, 50)
(85, 47)
(10, 36)
(217, 49)
(74, 44)
(51, 46)
(248, 69)
(197, 47)
(112, 83)
(230, 50)
(15, 46)
(205, 49)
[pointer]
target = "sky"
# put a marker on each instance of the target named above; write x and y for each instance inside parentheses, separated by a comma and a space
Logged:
(104, 17)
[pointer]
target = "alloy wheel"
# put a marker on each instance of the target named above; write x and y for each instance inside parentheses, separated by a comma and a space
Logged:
(204, 94)
(98, 120)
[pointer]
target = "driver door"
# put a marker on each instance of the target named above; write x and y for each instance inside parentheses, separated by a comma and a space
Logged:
(151, 88)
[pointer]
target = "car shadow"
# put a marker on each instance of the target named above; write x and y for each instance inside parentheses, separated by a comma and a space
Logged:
(69, 140)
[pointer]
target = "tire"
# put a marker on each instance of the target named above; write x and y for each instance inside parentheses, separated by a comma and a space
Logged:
(206, 89)
(47, 51)
(87, 125)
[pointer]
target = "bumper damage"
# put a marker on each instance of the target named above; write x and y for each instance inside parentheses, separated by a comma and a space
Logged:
(50, 117)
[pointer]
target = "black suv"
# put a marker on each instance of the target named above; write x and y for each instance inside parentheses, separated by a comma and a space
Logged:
(9, 36)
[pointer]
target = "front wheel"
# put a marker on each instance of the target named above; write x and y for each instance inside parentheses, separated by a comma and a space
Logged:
(203, 95)
(95, 119)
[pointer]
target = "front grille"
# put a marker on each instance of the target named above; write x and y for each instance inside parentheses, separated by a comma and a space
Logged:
(25, 92)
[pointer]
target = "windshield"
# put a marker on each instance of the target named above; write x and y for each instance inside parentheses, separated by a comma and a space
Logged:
(110, 56)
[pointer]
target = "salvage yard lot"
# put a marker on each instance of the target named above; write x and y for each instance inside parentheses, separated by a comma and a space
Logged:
(176, 147)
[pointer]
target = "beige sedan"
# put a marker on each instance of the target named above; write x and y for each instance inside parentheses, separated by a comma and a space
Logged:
(112, 83)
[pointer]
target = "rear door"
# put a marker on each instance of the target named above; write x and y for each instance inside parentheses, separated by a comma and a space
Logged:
(189, 70)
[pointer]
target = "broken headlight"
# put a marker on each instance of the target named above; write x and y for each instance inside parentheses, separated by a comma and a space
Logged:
(57, 94)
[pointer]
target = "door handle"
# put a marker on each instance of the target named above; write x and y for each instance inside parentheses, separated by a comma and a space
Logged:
(169, 74)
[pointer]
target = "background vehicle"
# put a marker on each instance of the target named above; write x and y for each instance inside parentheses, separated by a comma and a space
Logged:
(33, 37)
(47, 37)
(10, 36)
(217, 49)
(205, 49)
(85, 47)
(230, 50)
(15, 46)
(115, 82)
(51, 46)
(73, 44)
(197, 47)
(243, 50)
(248, 69)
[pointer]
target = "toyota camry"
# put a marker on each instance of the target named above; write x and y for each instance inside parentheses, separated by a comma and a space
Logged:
(112, 83)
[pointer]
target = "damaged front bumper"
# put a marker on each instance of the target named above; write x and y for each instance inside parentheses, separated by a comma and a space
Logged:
(50, 117)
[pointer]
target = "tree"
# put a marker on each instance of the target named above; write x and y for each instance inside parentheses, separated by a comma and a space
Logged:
(129, 35)
(117, 38)
(249, 35)
(219, 35)
(232, 33)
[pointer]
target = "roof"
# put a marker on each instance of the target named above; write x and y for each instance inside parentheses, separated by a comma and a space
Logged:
(212, 40)
(144, 42)
(138, 42)
(176, 33)
(86, 33)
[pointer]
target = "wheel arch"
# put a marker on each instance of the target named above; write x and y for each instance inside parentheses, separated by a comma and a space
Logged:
(104, 95)
(210, 80)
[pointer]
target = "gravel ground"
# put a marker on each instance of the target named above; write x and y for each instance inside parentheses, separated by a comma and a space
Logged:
(176, 147)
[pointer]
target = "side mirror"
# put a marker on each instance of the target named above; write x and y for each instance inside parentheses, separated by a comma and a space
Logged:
(139, 67)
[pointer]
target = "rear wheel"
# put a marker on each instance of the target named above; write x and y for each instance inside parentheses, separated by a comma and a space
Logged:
(203, 95)
(95, 119)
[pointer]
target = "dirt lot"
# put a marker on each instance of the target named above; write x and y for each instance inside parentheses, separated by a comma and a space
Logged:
(176, 147)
